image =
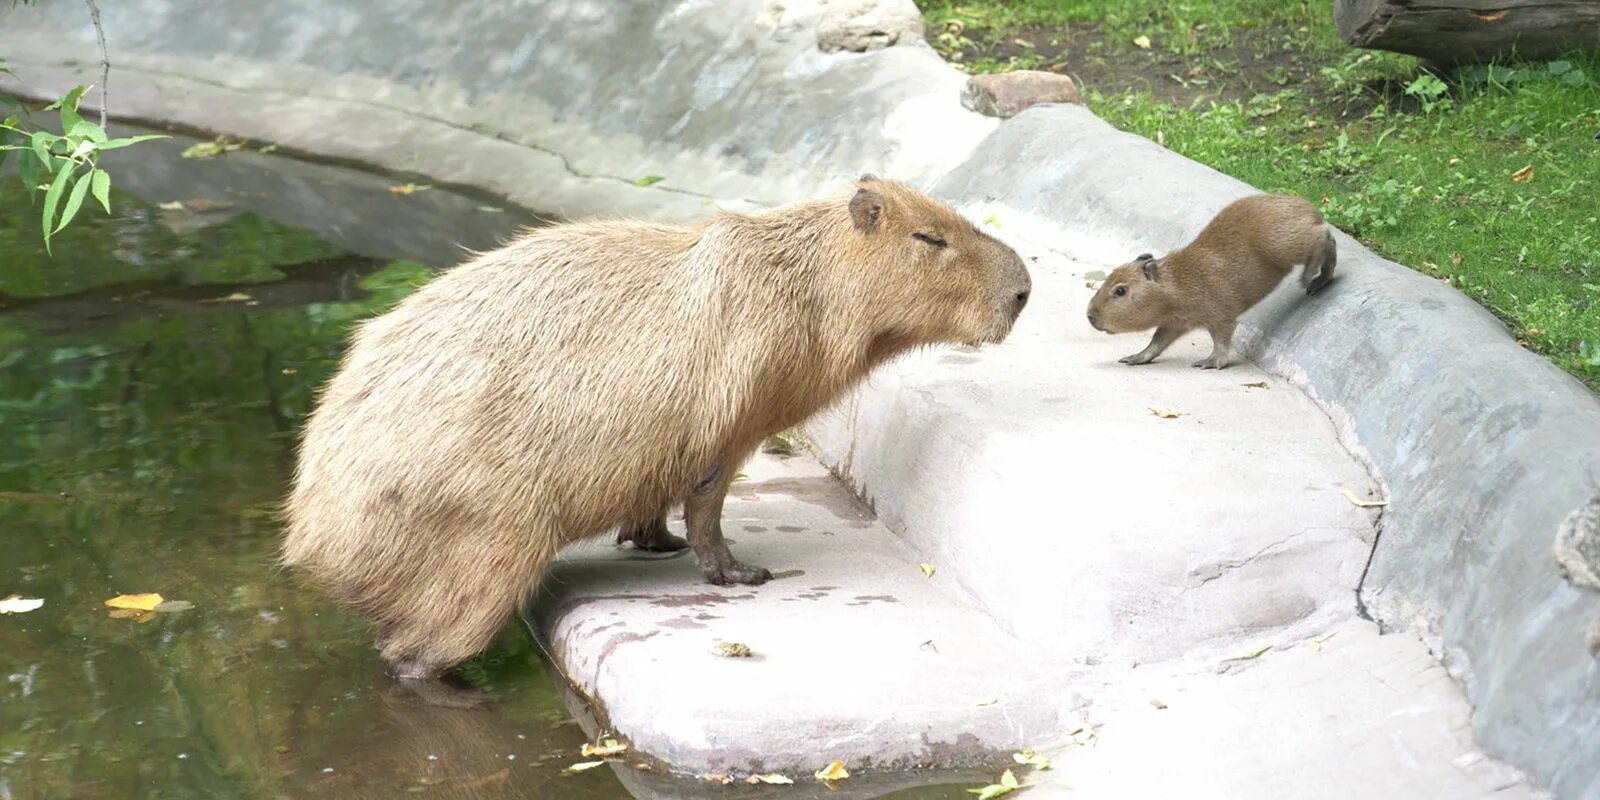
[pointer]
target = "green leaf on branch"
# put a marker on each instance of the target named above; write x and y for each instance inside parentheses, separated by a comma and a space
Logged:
(28, 170)
(87, 130)
(41, 147)
(69, 107)
(100, 180)
(52, 201)
(74, 202)
(116, 144)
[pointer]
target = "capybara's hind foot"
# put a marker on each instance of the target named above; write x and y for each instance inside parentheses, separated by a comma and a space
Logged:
(651, 537)
(734, 572)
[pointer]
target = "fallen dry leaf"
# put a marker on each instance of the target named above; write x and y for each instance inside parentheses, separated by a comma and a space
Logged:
(236, 297)
(1165, 413)
(722, 779)
(771, 778)
(1316, 644)
(1256, 653)
(609, 747)
(17, 604)
(1359, 503)
(582, 766)
(135, 602)
(1032, 759)
(832, 772)
(1256, 385)
(1142, 42)
(1523, 175)
(731, 650)
(927, 569)
(1083, 734)
(1156, 701)
(1008, 784)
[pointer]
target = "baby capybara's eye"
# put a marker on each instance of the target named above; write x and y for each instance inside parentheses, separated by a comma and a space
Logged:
(1119, 291)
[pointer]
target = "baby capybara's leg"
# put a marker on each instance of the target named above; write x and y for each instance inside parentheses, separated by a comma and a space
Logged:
(702, 511)
(651, 535)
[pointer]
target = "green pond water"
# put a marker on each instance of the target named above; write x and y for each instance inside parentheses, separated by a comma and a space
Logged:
(153, 375)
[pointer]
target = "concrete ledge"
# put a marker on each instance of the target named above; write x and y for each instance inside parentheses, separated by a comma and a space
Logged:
(1481, 448)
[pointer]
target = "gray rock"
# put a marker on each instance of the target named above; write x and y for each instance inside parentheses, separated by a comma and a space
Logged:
(1008, 94)
(1578, 546)
(862, 25)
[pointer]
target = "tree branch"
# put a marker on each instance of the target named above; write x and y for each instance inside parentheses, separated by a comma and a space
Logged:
(105, 59)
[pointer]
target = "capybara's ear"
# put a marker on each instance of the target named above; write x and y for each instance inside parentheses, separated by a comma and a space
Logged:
(1151, 268)
(865, 209)
(867, 177)
(1144, 257)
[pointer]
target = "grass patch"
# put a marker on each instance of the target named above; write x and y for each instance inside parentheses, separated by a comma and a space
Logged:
(1427, 170)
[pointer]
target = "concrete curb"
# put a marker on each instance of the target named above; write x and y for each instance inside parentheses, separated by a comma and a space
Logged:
(1483, 447)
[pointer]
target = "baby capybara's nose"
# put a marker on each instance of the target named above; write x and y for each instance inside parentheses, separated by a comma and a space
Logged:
(1022, 300)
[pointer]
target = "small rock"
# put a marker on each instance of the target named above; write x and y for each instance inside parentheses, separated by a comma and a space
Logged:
(1008, 94)
(1578, 545)
(862, 25)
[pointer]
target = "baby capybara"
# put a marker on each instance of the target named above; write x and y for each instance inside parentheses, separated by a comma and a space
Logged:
(590, 375)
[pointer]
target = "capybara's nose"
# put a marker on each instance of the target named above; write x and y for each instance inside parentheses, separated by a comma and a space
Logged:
(1093, 320)
(1022, 300)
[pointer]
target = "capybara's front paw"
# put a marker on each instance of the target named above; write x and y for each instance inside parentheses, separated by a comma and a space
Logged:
(735, 572)
(1211, 363)
(662, 543)
(1136, 359)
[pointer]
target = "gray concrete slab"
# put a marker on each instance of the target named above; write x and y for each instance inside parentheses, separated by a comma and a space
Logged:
(857, 655)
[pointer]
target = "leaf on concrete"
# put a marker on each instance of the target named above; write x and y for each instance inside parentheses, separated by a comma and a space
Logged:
(17, 604)
(1359, 503)
(927, 570)
(1316, 644)
(271, 148)
(409, 188)
(722, 779)
(832, 772)
(581, 766)
(988, 703)
(135, 602)
(731, 650)
(1256, 653)
(212, 148)
(1256, 385)
(1157, 703)
(992, 220)
(770, 778)
(1523, 175)
(1165, 413)
(1032, 759)
(649, 180)
(609, 747)
(1083, 734)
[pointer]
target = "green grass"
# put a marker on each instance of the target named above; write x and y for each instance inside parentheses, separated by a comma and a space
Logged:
(1420, 169)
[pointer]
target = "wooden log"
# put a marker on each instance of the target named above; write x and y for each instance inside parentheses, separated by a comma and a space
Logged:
(1452, 32)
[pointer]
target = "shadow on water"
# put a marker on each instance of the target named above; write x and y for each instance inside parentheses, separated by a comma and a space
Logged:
(153, 375)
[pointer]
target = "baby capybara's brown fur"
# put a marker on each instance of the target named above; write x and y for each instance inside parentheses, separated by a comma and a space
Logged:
(1235, 261)
(590, 375)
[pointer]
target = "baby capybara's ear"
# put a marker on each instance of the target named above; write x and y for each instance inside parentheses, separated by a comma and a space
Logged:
(1151, 268)
(866, 208)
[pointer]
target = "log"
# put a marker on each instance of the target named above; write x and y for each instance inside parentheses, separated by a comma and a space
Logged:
(1451, 32)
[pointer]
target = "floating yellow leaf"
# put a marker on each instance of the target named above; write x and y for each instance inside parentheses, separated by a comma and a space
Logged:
(1008, 784)
(1142, 42)
(582, 766)
(833, 772)
(1523, 175)
(1031, 758)
(172, 606)
(136, 616)
(1256, 385)
(1359, 503)
(771, 778)
(927, 569)
(135, 602)
(17, 604)
(609, 747)
(1165, 413)
(1316, 644)
(409, 188)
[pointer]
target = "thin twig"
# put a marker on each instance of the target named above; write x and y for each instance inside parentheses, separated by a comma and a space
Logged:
(105, 59)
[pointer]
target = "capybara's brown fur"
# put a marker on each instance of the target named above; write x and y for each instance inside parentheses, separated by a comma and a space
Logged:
(1238, 259)
(592, 374)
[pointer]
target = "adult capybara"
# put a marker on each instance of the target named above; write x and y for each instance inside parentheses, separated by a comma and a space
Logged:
(592, 374)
